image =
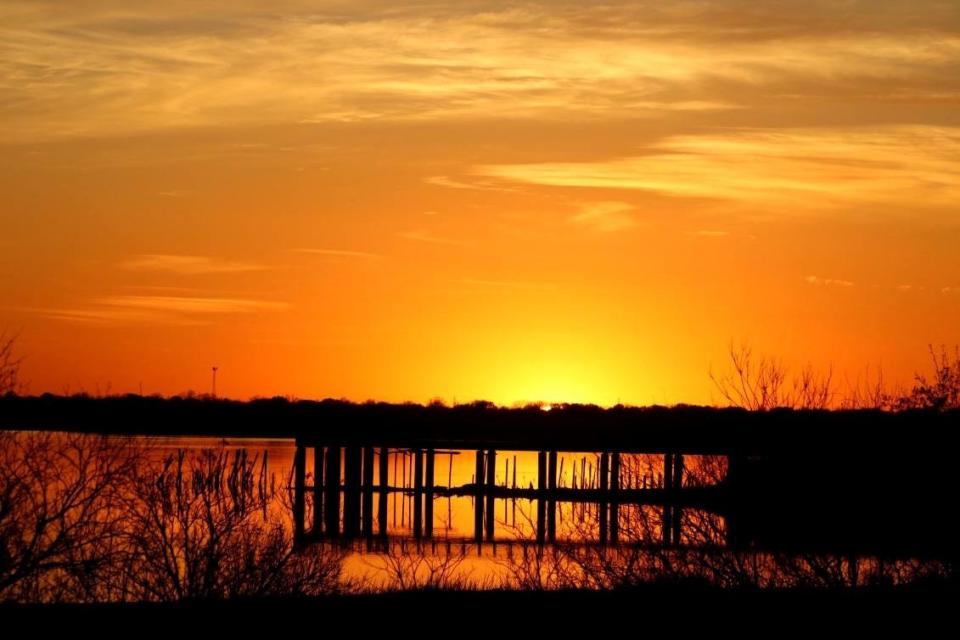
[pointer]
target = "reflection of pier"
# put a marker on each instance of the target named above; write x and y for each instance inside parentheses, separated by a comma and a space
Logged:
(828, 481)
(351, 489)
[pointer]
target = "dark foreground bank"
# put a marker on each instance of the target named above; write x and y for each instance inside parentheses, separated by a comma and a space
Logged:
(501, 614)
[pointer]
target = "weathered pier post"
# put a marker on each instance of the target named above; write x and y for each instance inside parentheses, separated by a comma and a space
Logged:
(490, 488)
(666, 520)
(541, 490)
(552, 500)
(299, 488)
(615, 498)
(669, 522)
(604, 478)
(428, 497)
(351, 506)
(668, 471)
(677, 485)
(317, 529)
(417, 493)
(478, 499)
(331, 501)
(384, 492)
(367, 490)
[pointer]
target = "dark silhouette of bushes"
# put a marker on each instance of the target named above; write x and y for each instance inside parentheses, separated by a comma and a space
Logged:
(93, 519)
(764, 383)
(700, 559)
(941, 391)
(61, 514)
(207, 527)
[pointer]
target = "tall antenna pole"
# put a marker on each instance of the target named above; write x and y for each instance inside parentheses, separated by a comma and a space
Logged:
(214, 394)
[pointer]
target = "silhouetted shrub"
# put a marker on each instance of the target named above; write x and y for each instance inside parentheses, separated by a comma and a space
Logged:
(761, 384)
(207, 527)
(62, 515)
(941, 391)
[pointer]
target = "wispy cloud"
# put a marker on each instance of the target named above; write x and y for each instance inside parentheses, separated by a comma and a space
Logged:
(188, 265)
(451, 183)
(192, 305)
(510, 284)
(422, 235)
(112, 68)
(605, 216)
(341, 253)
(152, 309)
(711, 233)
(798, 168)
(828, 282)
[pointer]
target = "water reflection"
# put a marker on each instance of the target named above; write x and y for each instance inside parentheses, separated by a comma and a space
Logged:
(494, 496)
(197, 518)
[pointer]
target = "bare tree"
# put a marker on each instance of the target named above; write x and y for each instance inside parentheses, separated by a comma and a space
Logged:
(761, 384)
(61, 521)
(870, 391)
(9, 365)
(941, 391)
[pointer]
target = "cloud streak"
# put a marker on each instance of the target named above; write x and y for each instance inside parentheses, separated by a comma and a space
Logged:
(422, 235)
(605, 216)
(341, 253)
(796, 167)
(163, 310)
(828, 282)
(188, 265)
(72, 69)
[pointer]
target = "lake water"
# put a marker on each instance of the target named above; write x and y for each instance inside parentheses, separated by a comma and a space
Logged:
(451, 555)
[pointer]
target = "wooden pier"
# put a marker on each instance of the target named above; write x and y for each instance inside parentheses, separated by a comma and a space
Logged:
(365, 482)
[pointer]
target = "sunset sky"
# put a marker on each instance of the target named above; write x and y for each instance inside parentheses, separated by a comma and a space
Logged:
(517, 202)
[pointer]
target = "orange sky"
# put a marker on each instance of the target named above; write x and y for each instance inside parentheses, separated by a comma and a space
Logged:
(462, 200)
